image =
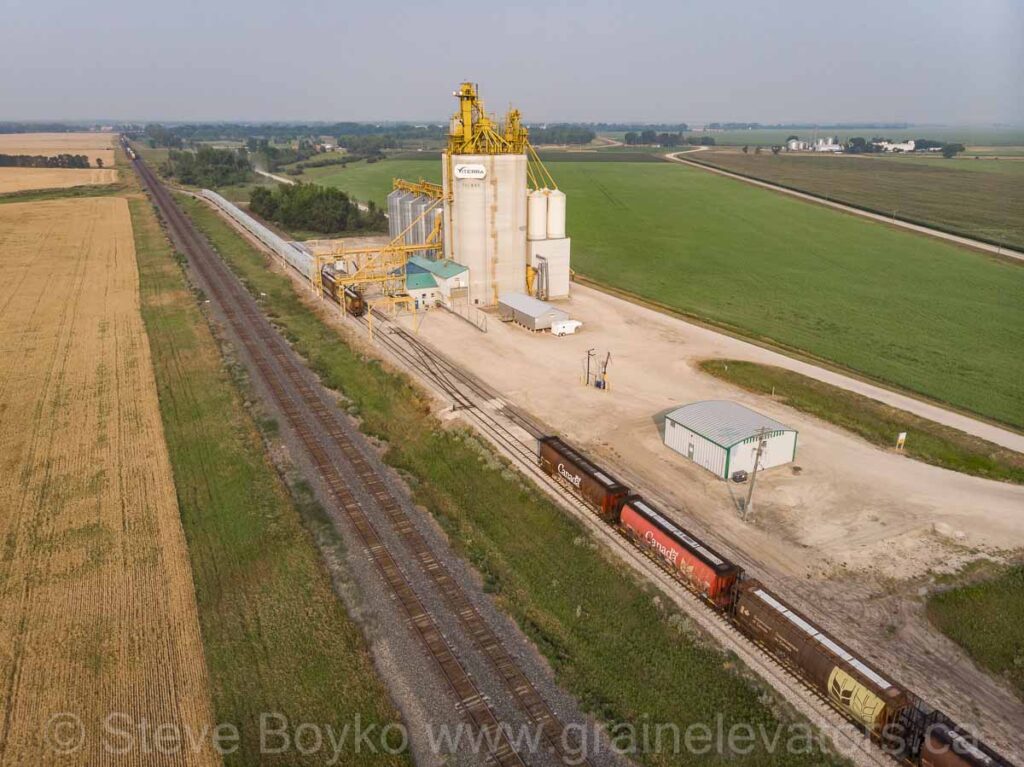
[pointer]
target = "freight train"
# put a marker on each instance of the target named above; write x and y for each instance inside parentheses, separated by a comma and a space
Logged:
(343, 295)
(903, 724)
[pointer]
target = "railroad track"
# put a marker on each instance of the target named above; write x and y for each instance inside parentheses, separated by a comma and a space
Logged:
(479, 403)
(513, 432)
(295, 395)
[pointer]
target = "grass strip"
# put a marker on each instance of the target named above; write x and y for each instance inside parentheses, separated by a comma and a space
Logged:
(876, 422)
(987, 620)
(629, 657)
(277, 639)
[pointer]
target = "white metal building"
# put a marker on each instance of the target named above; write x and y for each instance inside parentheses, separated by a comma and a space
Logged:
(722, 436)
(528, 311)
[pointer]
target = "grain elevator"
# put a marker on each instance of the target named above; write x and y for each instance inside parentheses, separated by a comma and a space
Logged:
(502, 217)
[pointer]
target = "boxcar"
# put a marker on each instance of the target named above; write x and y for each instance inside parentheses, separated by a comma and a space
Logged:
(588, 480)
(945, 746)
(703, 569)
(853, 686)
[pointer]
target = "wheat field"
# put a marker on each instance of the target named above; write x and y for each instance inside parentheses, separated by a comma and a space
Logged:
(27, 179)
(93, 145)
(97, 606)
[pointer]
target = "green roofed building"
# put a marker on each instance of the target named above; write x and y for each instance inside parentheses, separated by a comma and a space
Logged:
(446, 280)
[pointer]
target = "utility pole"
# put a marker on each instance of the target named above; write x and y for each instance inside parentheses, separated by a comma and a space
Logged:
(757, 462)
(590, 354)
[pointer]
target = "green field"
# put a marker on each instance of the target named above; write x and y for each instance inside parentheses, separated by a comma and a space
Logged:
(901, 308)
(987, 620)
(966, 135)
(275, 635)
(874, 421)
(976, 198)
(587, 614)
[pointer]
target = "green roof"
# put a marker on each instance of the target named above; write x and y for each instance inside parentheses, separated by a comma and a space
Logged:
(419, 281)
(444, 269)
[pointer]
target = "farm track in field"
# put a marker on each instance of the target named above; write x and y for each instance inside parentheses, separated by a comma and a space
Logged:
(323, 433)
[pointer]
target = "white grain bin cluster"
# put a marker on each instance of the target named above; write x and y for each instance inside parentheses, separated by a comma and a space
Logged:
(548, 247)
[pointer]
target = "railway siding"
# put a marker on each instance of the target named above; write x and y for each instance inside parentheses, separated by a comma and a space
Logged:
(371, 389)
(297, 395)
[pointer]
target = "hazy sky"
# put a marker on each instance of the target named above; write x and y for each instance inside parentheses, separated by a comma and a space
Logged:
(936, 61)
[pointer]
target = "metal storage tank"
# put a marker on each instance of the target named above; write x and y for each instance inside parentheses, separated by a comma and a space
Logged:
(537, 215)
(420, 209)
(556, 214)
(408, 216)
(394, 214)
(486, 221)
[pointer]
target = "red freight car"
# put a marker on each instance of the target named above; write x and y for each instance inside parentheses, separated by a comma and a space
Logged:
(706, 571)
(588, 480)
(945, 746)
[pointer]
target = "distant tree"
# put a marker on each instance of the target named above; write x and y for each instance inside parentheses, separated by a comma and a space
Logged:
(99, 162)
(793, 137)
(707, 140)
(776, 149)
(950, 151)
(648, 137)
(746, 149)
(757, 150)
(632, 138)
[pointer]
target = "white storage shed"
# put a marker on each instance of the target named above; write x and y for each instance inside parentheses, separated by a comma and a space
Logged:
(722, 437)
(528, 311)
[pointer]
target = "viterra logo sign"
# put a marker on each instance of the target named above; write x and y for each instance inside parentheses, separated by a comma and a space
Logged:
(572, 479)
(470, 171)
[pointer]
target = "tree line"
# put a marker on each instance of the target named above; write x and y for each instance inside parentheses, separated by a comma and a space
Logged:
(313, 208)
(651, 137)
(208, 167)
(564, 133)
(41, 161)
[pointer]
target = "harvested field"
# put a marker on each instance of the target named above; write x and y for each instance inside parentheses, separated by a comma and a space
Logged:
(24, 179)
(97, 606)
(94, 145)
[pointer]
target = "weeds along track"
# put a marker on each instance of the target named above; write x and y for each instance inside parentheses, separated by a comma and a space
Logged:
(320, 428)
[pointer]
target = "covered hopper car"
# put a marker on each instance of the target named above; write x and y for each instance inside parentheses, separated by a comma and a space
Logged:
(698, 565)
(946, 745)
(853, 687)
(585, 478)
